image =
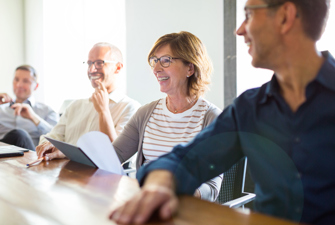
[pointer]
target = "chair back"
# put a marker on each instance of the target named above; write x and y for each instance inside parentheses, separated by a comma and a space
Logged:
(233, 186)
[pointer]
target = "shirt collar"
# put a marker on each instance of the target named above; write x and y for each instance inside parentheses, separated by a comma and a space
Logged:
(30, 101)
(116, 95)
(271, 88)
(325, 77)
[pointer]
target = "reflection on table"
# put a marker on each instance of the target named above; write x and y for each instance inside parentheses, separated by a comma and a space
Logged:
(66, 192)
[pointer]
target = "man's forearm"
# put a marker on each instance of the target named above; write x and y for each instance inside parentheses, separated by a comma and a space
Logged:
(162, 178)
(106, 125)
(35, 120)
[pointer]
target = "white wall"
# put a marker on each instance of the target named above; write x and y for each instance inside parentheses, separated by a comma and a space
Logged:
(247, 76)
(147, 20)
(59, 35)
(33, 28)
(11, 41)
(327, 40)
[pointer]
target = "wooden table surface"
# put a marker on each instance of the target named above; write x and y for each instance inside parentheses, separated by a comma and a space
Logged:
(66, 192)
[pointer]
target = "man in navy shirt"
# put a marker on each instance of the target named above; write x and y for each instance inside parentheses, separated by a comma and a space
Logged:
(285, 127)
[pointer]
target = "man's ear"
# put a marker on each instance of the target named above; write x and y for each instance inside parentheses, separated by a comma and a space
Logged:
(36, 86)
(119, 67)
(288, 17)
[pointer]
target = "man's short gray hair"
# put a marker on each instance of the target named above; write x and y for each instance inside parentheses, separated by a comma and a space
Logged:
(29, 69)
(115, 51)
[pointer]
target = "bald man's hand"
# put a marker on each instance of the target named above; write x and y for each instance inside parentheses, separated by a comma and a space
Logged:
(49, 151)
(100, 98)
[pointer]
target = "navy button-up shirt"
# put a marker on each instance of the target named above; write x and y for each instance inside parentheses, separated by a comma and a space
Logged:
(291, 154)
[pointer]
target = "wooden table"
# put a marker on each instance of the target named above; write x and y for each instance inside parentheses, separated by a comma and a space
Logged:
(66, 192)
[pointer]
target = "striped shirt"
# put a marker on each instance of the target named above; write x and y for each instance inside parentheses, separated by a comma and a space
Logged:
(164, 129)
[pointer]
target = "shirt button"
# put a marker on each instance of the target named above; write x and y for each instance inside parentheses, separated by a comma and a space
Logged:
(297, 140)
(299, 175)
(298, 210)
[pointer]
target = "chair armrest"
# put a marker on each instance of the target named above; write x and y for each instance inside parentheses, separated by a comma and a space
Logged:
(248, 197)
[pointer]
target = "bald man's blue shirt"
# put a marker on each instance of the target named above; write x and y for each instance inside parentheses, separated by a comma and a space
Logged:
(291, 154)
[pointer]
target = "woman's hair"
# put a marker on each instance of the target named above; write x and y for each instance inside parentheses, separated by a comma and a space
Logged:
(190, 49)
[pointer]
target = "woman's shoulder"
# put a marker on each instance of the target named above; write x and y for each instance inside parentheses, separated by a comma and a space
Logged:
(149, 106)
(147, 109)
(211, 108)
(212, 112)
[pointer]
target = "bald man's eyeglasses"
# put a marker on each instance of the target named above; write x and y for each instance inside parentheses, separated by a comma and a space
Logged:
(98, 63)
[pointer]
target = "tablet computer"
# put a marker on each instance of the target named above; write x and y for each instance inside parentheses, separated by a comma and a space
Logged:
(72, 152)
(13, 148)
(9, 152)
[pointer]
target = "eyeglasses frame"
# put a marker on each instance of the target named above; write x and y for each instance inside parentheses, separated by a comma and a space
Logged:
(159, 59)
(262, 6)
(103, 61)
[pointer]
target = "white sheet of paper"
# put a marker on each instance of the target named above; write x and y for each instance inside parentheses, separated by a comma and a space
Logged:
(100, 150)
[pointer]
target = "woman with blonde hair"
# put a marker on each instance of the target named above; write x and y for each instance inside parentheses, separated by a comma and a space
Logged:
(182, 68)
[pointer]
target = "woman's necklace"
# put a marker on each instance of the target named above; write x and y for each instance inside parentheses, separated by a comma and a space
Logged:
(169, 104)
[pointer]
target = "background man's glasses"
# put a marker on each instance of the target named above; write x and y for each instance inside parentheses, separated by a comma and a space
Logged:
(98, 63)
(248, 8)
(165, 61)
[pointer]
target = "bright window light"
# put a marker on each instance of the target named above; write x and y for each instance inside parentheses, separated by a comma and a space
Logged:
(70, 29)
(249, 77)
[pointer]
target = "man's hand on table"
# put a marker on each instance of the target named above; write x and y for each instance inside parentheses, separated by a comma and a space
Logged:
(156, 194)
(48, 151)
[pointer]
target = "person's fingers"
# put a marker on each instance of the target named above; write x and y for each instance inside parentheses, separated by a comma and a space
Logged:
(139, 209)
(17, 111)
(41, 149)
(168, 209)
(99, 93)
(100, 86)
(4, 98)
(55, 154)
(154, 197)
(149, 203)
(17, 108)
(94, 96)
(125, 213)
(15, 105)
